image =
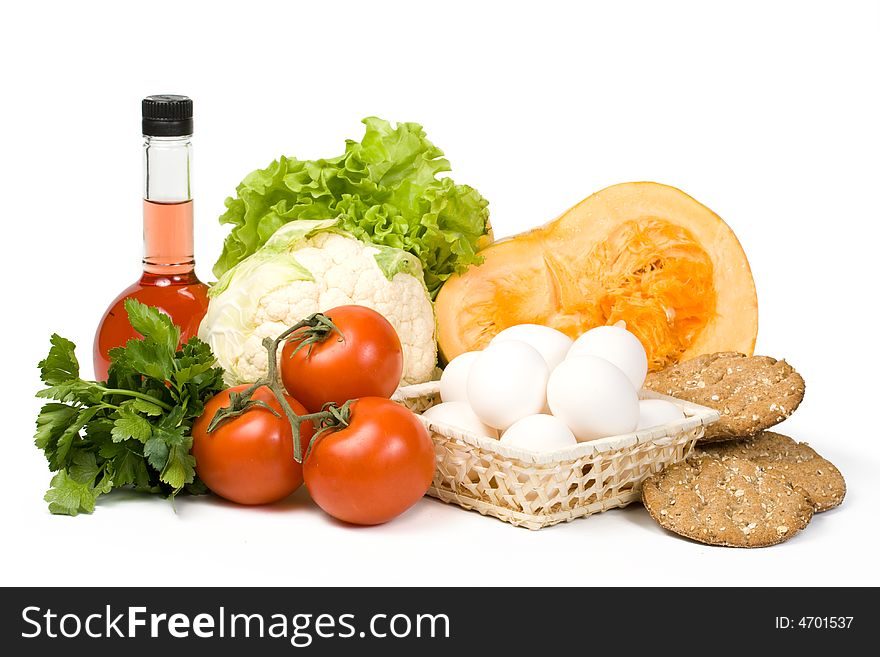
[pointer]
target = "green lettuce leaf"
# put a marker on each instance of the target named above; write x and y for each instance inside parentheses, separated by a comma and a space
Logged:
(383, 190)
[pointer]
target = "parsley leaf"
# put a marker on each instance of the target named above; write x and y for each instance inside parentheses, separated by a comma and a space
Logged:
(74, 390)
(68, 496)
(126, 465)
(61, 364)
(180, 468)
(156, 451)
(148, 408)
(84, 467)
(153, 325)
(75, 490)
(60, 370)
(130, 425)
(71, 433)
(147, 358)
(52, 422)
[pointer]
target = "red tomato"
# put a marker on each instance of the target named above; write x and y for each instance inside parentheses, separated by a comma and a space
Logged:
(249, 459)
(374, 469)
(367, 363)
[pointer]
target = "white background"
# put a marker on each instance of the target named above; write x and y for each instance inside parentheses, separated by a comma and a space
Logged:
(767, 112)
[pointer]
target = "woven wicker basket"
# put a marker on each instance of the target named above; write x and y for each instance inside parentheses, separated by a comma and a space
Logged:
(535, 490)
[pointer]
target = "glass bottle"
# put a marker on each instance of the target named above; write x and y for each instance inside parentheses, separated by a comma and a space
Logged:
(169, 280)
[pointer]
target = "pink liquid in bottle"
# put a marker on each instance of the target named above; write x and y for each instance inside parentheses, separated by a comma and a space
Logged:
(169, 281)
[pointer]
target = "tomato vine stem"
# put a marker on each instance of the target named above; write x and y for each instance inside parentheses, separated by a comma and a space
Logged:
(314, 328)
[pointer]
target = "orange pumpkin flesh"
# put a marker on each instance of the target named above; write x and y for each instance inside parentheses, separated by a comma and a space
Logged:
(644, 253)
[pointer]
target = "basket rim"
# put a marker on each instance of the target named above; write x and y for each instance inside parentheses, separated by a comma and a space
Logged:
(695, 415)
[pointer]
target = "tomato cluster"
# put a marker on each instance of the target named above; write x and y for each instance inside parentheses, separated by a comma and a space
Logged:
(374, 460)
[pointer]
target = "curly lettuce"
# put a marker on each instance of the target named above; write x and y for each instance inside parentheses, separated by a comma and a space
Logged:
(383, 190)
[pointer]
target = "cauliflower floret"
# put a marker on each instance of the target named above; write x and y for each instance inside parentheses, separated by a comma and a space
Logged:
(271, 290)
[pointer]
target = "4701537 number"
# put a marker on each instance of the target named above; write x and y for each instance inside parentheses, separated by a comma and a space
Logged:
(814, 622)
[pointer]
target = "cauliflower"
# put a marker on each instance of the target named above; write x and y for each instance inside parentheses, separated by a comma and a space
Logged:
(312, 266)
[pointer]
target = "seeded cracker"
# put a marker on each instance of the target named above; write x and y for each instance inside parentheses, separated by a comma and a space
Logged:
(731, 502)
(752, 393)
(799, 463)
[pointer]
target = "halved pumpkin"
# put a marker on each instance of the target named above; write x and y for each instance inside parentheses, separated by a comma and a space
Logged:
(642, 252)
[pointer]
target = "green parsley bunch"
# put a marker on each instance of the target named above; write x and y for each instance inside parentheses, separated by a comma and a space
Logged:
(133, 430)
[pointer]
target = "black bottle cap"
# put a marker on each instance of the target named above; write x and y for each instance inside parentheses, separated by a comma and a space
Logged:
(167, 115)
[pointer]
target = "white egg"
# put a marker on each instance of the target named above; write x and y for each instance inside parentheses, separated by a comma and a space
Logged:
(507, 382)
(593, 397)
(616, 345)
(654, 412)
(453, 381)
(459, 415)
(553, 345)
(539, 433)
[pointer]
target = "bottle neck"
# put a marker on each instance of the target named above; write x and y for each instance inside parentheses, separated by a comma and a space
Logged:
(167, 169)
(168, 211)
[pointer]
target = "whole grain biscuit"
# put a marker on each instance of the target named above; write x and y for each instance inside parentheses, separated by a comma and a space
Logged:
(799, 463)
(730, 502)
(752, 393)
